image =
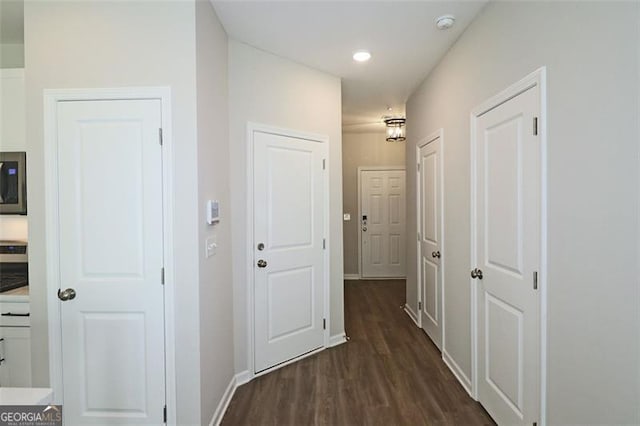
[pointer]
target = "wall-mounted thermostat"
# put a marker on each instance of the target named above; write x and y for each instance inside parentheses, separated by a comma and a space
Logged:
(213, 212)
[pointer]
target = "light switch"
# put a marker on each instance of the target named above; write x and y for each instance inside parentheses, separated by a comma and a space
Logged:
(347, 217)
(211, 244)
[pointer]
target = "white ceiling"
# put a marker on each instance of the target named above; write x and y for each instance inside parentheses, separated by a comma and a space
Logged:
(11, 21)
(401, 36)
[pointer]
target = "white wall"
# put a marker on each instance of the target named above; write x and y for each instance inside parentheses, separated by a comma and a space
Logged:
(591, 53)
(270, 90)
(117, 44)
(359, 150)
(216, 286)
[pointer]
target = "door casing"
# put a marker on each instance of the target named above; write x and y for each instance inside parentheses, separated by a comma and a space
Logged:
(537, 78)
(359, 183)
(51, 98)
(264, 128)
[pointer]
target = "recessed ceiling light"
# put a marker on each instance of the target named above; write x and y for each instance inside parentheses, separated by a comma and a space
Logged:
(361, 56)
(445, 22)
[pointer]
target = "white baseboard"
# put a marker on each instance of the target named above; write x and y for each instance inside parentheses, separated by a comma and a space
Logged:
(457, 371)
(224, 402)
(243, 377)
(412, 314)
(351, 277)
(337, 339)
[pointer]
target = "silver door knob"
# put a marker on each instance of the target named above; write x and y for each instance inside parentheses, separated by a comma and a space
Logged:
(68, 294)
(476, 273)
(262, 263)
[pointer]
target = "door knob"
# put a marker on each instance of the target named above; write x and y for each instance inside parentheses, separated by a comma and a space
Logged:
(364, 229)
(262, 263)
(476, 273)
(260, 246)
(438, 254)
(433, 254)
(68, 294)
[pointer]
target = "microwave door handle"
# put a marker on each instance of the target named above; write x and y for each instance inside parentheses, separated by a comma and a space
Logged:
(4, 185)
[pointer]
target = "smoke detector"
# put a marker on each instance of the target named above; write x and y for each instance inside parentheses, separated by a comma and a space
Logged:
(445, 22)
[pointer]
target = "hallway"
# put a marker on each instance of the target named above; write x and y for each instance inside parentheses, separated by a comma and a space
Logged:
(389, 373)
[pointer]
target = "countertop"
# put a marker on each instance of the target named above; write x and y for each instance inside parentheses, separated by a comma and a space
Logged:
(20, 294)
(26, 396)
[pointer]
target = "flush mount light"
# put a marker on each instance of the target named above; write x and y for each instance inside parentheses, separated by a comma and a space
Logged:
(361, 56)
(445, 22)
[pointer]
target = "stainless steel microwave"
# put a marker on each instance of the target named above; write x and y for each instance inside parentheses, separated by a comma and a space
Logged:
(13, 183)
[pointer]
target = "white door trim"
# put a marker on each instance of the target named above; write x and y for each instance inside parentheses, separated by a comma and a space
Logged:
(360, 170)
(438, 134)
(537, 78)
(51, 98)
(251, 129)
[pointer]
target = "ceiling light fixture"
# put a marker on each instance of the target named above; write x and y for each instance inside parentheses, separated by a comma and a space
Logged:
(445, 22)
(361, 56)
(395, 129)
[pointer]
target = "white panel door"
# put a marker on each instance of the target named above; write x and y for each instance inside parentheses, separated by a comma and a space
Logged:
(507, 182)
(382, 209)
(289, 208)
(430, 242)
(111, 254)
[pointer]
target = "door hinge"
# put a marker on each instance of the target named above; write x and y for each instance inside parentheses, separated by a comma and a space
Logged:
(324, 164)
(535, 423)
(160, 136)
(418, 236)
(324, 323)
(324, 244)
(418, 169)
(419, 306)
(164, 414)
(535, 280)
(535, 126)
(162, 276)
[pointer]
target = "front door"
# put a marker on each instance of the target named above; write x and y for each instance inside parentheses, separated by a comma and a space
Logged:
(508, 185)
(382, 220)
(289, 246)
(430, 238)
(111, 256)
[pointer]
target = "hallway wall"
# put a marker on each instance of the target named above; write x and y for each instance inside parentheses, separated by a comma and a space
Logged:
(361, 149)
(591, 53)
(267, 89)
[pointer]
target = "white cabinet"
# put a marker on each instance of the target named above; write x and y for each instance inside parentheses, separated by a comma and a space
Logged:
(12, 110)
(15, 345)
(15, 349)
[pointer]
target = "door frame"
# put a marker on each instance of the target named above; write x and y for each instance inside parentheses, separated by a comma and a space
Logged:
(51, 99)
(374, 169)
(252, 128)
(537, 78)
(438, 134)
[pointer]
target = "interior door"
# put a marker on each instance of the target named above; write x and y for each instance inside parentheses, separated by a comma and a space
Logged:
(111, 260)
(507, 182)
(289, 208)
(382, 209)
(430, 239)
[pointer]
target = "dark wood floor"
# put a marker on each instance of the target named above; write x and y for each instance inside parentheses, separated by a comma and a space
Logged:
(389, 373)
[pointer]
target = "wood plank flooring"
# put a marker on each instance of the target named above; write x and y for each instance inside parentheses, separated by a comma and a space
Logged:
(389, 373)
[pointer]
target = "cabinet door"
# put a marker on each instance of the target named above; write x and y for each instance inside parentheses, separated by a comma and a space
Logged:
(12, 110)
(15, 348)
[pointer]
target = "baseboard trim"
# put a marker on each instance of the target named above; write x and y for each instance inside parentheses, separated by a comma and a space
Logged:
(337, 339)
(412, 315)
(457, 372)
(351, 277)
(224, 402)
(243, 377)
